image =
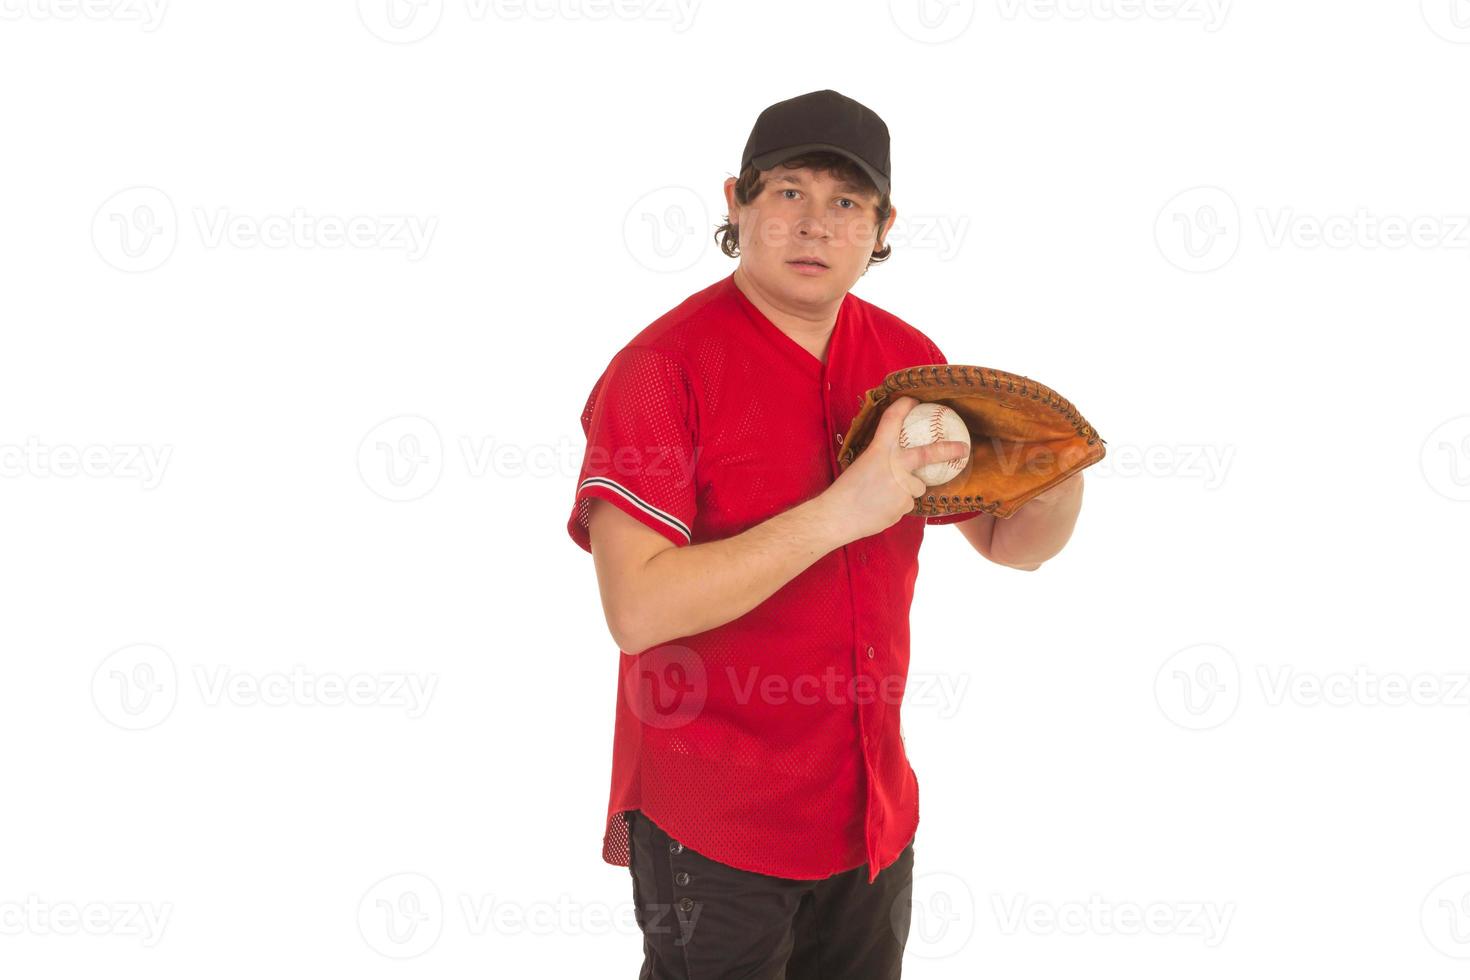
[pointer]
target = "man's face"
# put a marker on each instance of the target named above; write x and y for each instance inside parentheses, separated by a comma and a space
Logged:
(801, 214)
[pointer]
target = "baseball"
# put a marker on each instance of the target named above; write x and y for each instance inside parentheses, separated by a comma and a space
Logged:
(931, 422)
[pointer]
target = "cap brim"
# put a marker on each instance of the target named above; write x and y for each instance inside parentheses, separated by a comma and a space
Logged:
(770, 159)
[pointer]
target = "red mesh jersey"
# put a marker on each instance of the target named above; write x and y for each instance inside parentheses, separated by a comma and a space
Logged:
(771, 743)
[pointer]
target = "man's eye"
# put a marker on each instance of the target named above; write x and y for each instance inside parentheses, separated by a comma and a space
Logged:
(788, 190)
(849, 201)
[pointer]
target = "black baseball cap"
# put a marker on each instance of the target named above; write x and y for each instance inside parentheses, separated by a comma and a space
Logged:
(824, 120)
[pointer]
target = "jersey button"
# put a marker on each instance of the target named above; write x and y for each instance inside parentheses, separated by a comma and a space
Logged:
(839, 438)
(675, 847)
(682, 878)
(863, 557)
(870, 653)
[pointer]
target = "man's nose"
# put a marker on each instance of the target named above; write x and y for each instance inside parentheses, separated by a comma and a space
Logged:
(809, 226)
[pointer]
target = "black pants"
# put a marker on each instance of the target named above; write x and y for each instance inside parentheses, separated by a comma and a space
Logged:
(703, 920)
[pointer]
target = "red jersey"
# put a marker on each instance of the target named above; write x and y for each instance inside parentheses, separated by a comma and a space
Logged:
(773, 742)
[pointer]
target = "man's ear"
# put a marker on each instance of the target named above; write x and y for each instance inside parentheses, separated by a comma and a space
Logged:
(883, 232)
(731, 208)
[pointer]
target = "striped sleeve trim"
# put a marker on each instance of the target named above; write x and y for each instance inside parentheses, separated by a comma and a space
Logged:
(638, 502)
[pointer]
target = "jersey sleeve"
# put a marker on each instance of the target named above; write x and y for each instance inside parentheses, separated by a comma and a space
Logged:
(937, 357)
(640, 427)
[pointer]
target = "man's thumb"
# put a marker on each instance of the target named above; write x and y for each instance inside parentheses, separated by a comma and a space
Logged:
(892, 419)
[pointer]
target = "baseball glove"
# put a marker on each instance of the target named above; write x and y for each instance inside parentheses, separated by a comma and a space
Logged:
(1024, 437)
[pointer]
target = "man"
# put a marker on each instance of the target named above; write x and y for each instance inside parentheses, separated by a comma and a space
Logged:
(761, 795)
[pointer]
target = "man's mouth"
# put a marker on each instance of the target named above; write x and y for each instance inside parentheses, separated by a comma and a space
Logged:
(808, 262)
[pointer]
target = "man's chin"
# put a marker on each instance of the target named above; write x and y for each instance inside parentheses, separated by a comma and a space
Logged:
(803, 288)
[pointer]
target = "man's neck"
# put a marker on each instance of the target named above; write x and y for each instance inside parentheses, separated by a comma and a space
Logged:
(814, 335)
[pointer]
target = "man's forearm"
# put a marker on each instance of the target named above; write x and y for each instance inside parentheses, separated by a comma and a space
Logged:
(1042, 526)
(683, 591)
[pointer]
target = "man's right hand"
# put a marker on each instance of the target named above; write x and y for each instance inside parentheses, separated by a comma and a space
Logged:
(879, 486)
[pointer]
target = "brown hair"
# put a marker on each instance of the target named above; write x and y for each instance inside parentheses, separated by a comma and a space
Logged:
(750, 184)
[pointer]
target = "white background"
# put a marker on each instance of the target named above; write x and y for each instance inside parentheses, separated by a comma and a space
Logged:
(1234, 234)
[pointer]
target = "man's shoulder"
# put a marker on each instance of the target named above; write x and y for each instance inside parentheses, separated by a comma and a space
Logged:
(891, 326)
(689, 324)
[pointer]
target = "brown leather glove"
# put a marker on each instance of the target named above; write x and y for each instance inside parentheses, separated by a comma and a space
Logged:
(1024, 437)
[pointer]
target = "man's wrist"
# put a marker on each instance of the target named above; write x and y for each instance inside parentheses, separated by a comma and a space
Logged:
(825, 512)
